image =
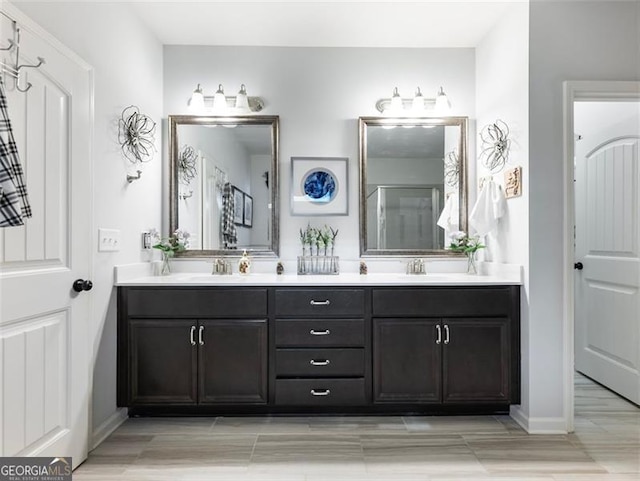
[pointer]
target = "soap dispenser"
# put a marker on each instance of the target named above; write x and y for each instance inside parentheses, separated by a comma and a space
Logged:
(244, 264)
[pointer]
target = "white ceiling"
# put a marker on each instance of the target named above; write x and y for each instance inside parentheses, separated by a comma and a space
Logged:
(322, 24)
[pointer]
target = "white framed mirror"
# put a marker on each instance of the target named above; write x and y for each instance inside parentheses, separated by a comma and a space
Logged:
(224, 184)
(413, 189)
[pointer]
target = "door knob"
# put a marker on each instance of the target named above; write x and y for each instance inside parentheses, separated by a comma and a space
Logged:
(80, 285)
(578, 265)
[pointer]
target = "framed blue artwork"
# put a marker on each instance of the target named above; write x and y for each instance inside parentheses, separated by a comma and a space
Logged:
(319, 186)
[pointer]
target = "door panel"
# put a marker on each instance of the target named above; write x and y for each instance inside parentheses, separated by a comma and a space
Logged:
(233, 361)
(155, 376)
(476, 360)
(607, 314)
(44, 325)
(406, 361)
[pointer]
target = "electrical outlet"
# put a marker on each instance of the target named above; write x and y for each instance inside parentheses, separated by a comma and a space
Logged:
(108, 240)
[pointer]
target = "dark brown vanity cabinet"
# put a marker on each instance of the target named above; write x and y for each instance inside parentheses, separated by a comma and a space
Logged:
(282, 349)
(444, 345)
(204, 360)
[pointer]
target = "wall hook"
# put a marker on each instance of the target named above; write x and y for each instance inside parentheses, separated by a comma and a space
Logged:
(10, 47)
(184, 196)
(131, 178)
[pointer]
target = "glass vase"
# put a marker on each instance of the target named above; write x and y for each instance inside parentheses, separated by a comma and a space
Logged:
(165, 268)
(472, 267)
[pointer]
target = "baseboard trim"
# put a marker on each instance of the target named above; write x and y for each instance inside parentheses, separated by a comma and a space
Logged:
(107, 427)
(538, 425)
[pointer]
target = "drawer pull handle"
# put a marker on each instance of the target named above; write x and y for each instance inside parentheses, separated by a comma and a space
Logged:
(193, 330)
(200, 339)
(326, 392)
(313, 362)
(439, 333)
(446, 334)
(313, 332)
(320, 303)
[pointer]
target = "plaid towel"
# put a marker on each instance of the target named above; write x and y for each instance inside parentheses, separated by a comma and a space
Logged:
(229, 233)
(14, 203)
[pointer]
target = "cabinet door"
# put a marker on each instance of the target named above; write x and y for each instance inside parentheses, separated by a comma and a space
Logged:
(163, 361)
(406, 361)
(476, 360)
(233, 361)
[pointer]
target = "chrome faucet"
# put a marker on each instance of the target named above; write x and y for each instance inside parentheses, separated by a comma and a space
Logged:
(221, 267)
(416, 266)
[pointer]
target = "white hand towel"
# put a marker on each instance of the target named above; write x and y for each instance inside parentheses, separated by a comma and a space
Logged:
(449, 219)
(488, 210)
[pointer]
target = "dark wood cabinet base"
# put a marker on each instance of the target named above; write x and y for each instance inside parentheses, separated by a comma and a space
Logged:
(353, 350)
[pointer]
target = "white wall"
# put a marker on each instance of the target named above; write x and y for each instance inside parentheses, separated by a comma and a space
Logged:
(128, 70)
(319, 93)
(600, 41)
(502, 86)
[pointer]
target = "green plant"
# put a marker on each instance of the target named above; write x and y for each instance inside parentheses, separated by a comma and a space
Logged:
(178, 242)
(461, 242)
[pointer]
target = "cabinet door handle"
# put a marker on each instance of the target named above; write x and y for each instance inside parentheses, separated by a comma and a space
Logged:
(320, 303)
(313, 332)
(313, 362)
(439, 333)
(446, 334)
(191, 338)
(200, 339)
(326, 392)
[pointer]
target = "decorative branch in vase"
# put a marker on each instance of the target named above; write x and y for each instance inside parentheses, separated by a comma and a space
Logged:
(470, 245)
(319, 243)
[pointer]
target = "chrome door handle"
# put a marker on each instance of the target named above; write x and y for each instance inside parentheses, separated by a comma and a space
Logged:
(446, 334)
(439, 333)
(313, 332)
(320, 303)
(326, 392)
(313, 362)
(191, 338)
(200, 339)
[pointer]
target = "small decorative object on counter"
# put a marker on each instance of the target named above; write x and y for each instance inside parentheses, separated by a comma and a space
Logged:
(244, 264)
(279, 269)
(363, 268)
(317, 251)
(461, 242)
(178, 242)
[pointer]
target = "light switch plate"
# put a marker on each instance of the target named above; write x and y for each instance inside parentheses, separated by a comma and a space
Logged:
(108, 240)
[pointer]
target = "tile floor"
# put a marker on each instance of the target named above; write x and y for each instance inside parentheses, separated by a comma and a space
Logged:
(604, 447)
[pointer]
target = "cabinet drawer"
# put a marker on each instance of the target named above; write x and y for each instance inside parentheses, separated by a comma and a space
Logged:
(320, 362)
(320, 392)
(321, 332)
(442, 302)
(208, 302)
(319, 302)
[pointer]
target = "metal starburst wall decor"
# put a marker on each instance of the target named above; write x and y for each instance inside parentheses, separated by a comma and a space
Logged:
(187, 169)
(452, 169)
(495, 146)
(136, 135)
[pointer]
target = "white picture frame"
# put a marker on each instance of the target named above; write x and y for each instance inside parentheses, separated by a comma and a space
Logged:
(319, 186)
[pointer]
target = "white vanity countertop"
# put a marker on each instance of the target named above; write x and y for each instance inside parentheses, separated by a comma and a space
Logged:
(348, 279)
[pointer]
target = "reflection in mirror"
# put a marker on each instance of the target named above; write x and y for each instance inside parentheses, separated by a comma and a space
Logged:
(224, 183)
(413, 191)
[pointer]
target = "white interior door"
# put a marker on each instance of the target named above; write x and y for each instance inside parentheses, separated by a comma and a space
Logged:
(607, 183)
(44, 325)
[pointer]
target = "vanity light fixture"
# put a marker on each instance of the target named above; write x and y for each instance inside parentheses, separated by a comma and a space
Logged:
(443, 106)
(416, 106)
(219, 104)
(219, 100)
(196, 103)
